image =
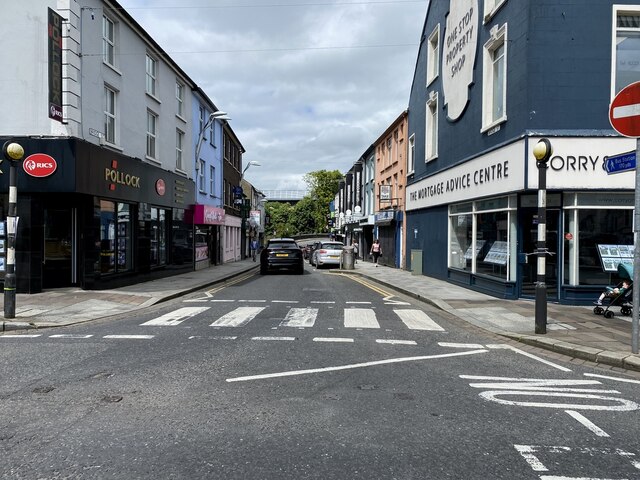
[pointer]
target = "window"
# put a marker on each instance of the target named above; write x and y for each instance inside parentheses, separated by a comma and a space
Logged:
(179, 152)
(152, 120)
(411, 154)
(212, 181)
(201, 176)
(202, 113)
(116, 244)
(433, 55)
(108, 41)
(482, 237)
(211, 137)
(491, 7)
(152, 66)
(627, 47)
(494, 90)
(180, 99)
(110, 115)
(158, 234)
(431, 144)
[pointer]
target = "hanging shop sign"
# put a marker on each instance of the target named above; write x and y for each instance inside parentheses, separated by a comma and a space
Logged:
(54, 34)
(458, 55)
(39, 165)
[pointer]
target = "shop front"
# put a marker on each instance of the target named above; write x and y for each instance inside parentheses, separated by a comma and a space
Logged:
(482, 217)
(100, 220)
(207, 223)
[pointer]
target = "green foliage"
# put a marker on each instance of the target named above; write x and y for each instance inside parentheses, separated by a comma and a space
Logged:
(310, 214)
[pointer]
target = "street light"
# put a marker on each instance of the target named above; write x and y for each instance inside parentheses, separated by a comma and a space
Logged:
(252, 162)
(219, 115)
(13, 152)
(542, 151)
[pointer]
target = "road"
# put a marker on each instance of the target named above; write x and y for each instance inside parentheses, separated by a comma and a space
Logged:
(320, 376)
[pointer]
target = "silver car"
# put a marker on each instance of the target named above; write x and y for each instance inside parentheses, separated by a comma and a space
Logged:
(328, 253)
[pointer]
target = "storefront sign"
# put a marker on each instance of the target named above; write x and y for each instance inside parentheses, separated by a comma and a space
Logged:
(580, 163)
(208, 215)
(254, 218)
(39, 165)
(54, 33)
(117, 177)
(385, 217)
(496, 173)
(459, 54)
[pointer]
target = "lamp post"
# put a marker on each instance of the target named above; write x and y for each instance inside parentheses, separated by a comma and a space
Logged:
(243, 208)
(212, 118)
(542, 152)
(13, 152)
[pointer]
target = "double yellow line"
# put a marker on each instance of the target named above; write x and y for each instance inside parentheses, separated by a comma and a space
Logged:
(229, 283)
(372, 286)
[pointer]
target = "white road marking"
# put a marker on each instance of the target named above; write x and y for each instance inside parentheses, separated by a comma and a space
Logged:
(252, 301)
(300, 317)
(238, 317)
(130, 337)
(219, 337)
(221, 300)
(418, 320)
(285, 301)
(460, 345)
(333, 339)
(562, 477)
(323, 303)
(388, 301)
(176, 317)
(625, 111)
(69, 335)
(32, 335)
(360, 318)
(358, 303)
(527, 354)
(587, 423)
(352, 366)
(284, 339)
(527, 452)
(626, 380)
(194, 300)
(623, 405)
(396, 342)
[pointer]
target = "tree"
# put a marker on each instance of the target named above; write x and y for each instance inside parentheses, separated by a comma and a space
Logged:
(281, 217)
(323, 186)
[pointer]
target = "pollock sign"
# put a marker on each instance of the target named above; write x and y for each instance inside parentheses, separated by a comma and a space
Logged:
(458, 55)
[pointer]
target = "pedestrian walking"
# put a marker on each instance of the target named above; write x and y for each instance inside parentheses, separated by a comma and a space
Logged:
(376, 251)
(254, 248)
(355, 251)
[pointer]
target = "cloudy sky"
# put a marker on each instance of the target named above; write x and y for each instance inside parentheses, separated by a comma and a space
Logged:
(309, 84)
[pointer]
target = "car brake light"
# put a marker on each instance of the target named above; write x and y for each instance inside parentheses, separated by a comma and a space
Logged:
(322, 251)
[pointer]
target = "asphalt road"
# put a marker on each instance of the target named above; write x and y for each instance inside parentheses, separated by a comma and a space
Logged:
(319, 376)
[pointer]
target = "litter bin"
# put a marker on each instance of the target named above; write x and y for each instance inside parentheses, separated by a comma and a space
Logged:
(348, 259)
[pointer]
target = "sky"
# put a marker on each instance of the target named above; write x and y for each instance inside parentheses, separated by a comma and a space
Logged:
(309, 84)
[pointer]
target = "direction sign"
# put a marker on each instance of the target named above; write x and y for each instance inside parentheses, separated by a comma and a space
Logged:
(622, 162)
(624, 112)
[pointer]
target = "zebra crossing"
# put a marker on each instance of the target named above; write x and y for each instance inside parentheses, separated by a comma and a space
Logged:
(300, 317)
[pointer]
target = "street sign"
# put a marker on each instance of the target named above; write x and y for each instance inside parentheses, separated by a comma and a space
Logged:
(624, 112)
(622, 162)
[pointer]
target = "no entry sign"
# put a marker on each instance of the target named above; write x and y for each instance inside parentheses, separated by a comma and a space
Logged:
(624, 113)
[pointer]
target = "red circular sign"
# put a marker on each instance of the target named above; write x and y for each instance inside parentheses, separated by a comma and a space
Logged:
(39, 165)
(160, 187)
(624, 112)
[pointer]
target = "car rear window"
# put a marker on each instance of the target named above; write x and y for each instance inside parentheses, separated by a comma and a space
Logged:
(333, 246)
(283, 245)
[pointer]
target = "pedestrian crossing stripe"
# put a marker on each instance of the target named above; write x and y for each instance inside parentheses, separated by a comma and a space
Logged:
(359, 318)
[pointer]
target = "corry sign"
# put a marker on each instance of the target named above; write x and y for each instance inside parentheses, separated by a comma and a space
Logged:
(458, 55)
(39, 165)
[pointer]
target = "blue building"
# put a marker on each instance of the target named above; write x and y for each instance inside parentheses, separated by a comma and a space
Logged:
(208, 211)
(493, 77)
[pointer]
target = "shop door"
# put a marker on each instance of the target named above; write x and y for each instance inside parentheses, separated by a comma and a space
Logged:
(529, 245)
(59, 248)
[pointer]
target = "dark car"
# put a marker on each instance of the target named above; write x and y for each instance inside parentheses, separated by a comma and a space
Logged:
(281, 253)
(314, 246)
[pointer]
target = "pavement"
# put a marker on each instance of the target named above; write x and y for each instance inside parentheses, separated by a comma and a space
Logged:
(571, 330)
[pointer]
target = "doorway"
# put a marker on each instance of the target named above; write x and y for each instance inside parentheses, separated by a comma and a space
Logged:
(529, 244)
(58, 264)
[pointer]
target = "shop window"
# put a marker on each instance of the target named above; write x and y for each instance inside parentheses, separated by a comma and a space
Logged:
(492, 240)
(158, 234)
(116, 243)
(461, 248)
(627, 46)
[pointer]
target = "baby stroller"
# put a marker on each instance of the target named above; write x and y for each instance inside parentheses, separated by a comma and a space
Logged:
(623, 300)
